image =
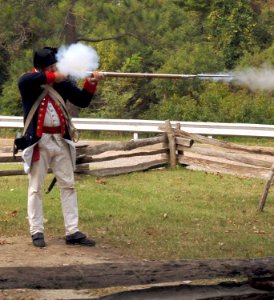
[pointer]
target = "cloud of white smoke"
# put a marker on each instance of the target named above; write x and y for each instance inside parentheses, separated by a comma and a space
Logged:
(256, 79)
(252, 78)
(76, 60)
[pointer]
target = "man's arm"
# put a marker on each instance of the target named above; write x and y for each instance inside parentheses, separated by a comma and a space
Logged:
(81, 97)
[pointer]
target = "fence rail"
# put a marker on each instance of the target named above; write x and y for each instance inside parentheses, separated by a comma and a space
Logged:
(150, 126)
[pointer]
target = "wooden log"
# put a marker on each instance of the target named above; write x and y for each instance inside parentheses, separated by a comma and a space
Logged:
(81, 168)
(16, 172)
(221, 167)
(227, 145)
(12, 172)
(128, 169)
(228, 290)
(132, 273)
(236, 156)
(92, 159)
(184, 142)
(81, 146)
(81, 149)
(267, 188)
(10, 159)
(171, 144)
(180, 140)
(125, 146)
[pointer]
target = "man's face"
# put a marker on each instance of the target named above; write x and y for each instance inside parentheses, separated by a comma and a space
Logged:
(51, 68)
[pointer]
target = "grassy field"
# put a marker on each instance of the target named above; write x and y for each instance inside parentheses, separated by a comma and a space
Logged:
(163, 214)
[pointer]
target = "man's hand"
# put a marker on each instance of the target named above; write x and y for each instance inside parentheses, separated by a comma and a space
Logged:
(95, 76)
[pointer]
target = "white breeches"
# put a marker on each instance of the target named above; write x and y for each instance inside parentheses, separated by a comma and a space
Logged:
(54, 154)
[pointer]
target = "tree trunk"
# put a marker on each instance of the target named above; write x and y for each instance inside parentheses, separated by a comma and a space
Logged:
(71, 38)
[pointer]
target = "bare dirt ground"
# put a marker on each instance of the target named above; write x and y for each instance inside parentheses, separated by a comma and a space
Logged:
(19, 252)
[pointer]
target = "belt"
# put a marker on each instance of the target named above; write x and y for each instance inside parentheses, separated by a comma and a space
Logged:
(52, 130)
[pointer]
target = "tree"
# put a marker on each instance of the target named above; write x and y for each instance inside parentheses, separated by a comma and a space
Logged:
(4, 62)
(231, 27)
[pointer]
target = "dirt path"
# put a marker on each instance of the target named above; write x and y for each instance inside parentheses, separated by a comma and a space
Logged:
(19, 252)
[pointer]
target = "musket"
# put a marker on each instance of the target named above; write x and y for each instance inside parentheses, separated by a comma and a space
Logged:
(170, 76)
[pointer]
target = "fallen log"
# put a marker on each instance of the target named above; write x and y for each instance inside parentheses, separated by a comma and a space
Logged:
(136, 273)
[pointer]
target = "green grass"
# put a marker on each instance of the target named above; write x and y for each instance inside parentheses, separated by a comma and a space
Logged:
(164, 214)
(251, 141)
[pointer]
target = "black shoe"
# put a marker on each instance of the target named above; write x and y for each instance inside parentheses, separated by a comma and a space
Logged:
(38, 240)
(78, 238)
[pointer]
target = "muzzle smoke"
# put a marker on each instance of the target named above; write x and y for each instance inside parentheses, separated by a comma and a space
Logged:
(252, 78)
(76, 60)
(256, 79)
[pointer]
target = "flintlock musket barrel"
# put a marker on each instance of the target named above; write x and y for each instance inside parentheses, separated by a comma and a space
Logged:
(157, 75)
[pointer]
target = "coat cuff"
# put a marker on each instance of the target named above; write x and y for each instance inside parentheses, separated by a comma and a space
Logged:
(90, 86)
(50, 77)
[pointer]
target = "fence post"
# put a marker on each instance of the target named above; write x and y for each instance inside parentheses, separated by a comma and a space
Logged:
(135, 136)
(171, 144)
(266, 190)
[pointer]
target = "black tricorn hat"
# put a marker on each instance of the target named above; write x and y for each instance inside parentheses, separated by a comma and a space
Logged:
(44, 57)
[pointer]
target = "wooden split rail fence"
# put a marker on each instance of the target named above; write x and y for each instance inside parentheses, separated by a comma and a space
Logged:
(174, 146)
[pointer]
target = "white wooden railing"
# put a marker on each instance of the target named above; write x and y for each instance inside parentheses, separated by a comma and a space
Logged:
(139, 126)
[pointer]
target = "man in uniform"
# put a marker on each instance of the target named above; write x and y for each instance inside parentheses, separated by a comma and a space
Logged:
(49, 142)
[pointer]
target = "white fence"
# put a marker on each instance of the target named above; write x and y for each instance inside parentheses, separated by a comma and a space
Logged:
(139, 126)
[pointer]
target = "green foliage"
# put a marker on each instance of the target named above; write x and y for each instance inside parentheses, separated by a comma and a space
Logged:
(4, 60)
(222, 103)
(265, 57)
(231, 25)
(10, 103)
